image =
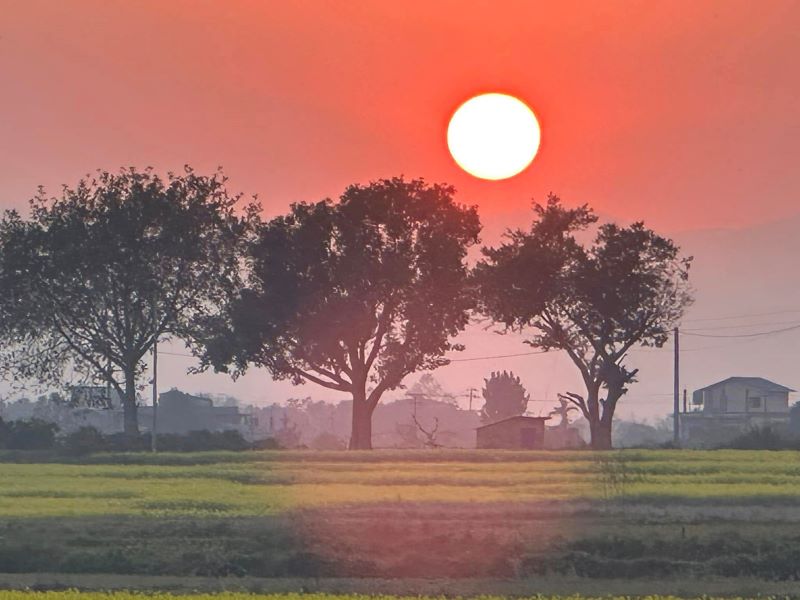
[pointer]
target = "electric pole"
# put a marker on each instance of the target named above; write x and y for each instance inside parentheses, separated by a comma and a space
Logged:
(676, 418)
(471, 392)
(415, 396)
(153, 440)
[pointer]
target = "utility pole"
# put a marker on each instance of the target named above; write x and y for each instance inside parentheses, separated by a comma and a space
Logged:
(676, 418)
(471, 392)
(415, 396)
(684, 401)
(154, 429)
(153, 442)
(109, 404)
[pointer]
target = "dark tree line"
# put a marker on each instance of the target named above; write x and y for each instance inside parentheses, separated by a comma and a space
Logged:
(353, 295)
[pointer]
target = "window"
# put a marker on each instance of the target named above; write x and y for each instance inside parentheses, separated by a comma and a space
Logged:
(755, 402)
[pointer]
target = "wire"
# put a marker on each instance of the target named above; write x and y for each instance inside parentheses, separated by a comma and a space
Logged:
(743, 335)
(744, 316)
(497, 356)
(743, 325)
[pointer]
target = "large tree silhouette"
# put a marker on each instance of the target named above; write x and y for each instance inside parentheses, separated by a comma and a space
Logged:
(354, 295)
(595, 302)
(96, 275)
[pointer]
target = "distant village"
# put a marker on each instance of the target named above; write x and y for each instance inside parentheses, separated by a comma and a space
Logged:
(426, 417)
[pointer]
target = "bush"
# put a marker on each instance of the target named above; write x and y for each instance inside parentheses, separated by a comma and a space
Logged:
(119, 442)
(761, 438)
(33, 434)
(198, 441)
(41, 435)
(266, 444)
(85, 441)
(327, 441)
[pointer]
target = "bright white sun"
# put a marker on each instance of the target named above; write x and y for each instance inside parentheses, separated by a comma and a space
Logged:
(493, 136)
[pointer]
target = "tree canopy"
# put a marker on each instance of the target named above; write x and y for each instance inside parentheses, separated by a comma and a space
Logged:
(595, 301)
(504, 396)
(96, 275)
(354, 295)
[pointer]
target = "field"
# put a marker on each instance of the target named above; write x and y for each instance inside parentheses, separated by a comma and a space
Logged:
(460, 522)
(73, 595)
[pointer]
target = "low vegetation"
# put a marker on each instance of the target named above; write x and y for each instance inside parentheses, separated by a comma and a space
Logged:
(76, 595)
(36, 434)
(628, 515)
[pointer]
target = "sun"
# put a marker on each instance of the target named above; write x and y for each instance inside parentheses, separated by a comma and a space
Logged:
(493, 136)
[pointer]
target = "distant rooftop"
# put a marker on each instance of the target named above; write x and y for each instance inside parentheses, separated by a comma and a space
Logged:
(524, 417)
(754, 382)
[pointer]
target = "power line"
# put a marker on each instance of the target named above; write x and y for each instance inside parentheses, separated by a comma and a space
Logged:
(176, 354)
(497, 356)
(742, 326)
(743, 335)
(744, 316)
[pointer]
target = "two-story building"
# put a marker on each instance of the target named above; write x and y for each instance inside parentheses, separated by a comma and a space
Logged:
(181, 413)
(728, 408)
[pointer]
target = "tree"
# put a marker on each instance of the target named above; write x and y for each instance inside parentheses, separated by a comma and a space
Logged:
(430, 434)
(427, 386)
(354, 295)
(562, 412)
(505, 397)
(595, 302)
(97, 275)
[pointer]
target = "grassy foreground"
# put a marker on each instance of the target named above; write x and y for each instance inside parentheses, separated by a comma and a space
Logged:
(646, 517)
(77, 595)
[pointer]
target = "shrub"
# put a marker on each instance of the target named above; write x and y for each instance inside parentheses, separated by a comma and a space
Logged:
(198, 441)
(119, 442)
(327, 441)
(33, 434)
(85, 440)
(761, 438)
(269, 443)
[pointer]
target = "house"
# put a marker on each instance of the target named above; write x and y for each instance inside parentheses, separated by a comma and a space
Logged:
(728, 408)
(513, 433)
(179, 412)
(94, 396)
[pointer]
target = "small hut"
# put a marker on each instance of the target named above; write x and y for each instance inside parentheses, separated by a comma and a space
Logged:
(513, 433)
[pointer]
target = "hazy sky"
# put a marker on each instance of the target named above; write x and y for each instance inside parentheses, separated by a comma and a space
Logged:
(684, 114)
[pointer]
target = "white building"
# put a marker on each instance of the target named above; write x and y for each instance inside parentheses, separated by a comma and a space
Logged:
(728, 408)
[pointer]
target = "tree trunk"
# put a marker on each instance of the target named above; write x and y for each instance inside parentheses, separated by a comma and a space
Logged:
(601, 437)
(601, 434)
(130, 417)
(361, 433)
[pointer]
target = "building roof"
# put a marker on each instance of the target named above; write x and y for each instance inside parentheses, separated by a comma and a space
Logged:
(175, 396)
(507, 419)
(755, 382)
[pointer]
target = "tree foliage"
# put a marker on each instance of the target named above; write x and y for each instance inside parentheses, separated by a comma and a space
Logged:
(504, 396)
(593, 301)
(354, 295)
(95, 276)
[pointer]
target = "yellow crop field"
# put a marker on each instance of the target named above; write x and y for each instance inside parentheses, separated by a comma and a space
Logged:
(629, 516)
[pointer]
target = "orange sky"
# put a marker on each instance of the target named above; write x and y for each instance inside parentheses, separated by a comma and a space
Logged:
(684, 113)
